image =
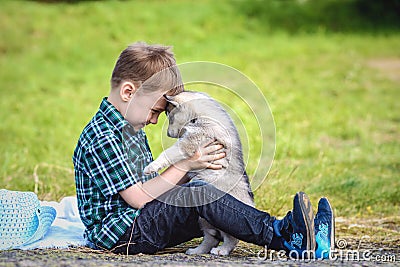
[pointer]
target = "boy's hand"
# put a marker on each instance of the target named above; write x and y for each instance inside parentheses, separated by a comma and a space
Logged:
(204, 157)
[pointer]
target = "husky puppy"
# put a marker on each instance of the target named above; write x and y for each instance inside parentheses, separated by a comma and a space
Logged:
(195, 118)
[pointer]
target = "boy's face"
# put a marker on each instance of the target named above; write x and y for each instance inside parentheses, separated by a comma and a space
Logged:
(145, 108)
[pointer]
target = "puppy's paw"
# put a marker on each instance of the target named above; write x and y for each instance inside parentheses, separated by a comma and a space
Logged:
(220, 251)
(151, 168)
(191, 251)
(195, 251)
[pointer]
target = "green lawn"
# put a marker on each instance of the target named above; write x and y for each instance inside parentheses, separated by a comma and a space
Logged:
(334, 95)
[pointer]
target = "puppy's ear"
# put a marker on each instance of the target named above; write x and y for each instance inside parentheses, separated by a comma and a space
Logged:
(171, 100)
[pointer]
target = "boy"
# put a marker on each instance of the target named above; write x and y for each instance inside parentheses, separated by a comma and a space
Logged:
(126, 211)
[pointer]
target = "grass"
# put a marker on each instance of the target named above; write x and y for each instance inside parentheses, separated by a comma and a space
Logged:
(336, 116)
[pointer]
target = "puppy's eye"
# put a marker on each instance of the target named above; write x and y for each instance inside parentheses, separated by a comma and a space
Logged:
(193, 120)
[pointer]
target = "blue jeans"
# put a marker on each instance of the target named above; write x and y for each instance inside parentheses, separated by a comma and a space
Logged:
(162, 224)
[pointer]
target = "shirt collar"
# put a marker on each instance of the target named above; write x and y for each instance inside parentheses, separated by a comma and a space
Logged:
(111, 114)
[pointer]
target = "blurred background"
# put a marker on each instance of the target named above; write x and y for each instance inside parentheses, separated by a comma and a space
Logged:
(330, 71)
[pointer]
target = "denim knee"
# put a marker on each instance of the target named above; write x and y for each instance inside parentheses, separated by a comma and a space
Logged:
(196, 183)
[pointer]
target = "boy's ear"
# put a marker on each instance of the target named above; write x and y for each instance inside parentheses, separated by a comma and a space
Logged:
(127, 90)
(171, 100)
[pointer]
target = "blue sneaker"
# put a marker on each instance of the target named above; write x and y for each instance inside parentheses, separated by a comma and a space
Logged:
(324, 229)
(296, 229)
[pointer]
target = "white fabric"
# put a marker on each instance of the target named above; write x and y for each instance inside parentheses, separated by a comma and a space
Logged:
(66, 230)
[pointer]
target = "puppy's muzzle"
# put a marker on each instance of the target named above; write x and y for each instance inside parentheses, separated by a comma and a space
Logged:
(173, 133)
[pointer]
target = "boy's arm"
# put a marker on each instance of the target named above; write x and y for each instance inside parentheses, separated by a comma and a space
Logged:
(141, 193)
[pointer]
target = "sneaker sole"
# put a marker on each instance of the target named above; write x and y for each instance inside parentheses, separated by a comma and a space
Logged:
(308, 216)
(332, 237)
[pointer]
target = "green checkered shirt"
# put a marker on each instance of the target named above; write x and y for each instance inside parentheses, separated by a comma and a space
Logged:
(109, 157)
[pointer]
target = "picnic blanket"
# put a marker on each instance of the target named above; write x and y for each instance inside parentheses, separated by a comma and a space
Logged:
(66, 230)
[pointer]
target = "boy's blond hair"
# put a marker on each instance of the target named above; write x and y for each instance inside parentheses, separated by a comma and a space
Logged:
(152, 67)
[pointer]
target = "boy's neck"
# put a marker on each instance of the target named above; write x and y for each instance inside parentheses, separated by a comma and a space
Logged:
(114, 100)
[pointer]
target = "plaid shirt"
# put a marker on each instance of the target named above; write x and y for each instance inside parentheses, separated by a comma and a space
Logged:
(109, 157)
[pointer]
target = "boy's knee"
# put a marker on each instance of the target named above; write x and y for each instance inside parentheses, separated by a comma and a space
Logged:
(203, 193)
(193, 194)
(204, 189)
(196, 183)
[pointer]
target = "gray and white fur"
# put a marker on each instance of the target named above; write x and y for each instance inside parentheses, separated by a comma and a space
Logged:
(195, 118)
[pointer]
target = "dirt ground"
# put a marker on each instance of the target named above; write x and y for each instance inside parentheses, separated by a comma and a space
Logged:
(360, 242)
